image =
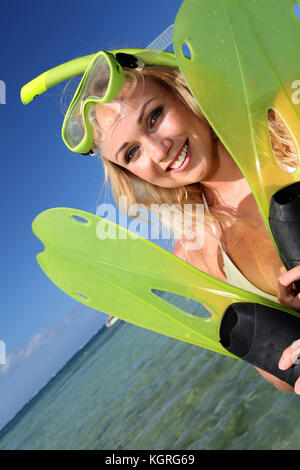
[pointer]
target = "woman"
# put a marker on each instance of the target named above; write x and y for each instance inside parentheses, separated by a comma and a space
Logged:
(157, 148)
(164, 151)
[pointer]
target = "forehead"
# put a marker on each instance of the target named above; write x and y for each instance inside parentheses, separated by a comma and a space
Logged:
(125, 105)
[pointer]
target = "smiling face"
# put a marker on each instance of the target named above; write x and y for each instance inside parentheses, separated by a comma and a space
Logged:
(161, 141)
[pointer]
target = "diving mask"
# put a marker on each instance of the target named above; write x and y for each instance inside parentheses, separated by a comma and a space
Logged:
(104, 81)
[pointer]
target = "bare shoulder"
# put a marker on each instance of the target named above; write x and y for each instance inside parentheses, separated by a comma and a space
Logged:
(208, 259)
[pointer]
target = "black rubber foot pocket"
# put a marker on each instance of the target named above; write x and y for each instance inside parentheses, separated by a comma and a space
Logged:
(258, 335)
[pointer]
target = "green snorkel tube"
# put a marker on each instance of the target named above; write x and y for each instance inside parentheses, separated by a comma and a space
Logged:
(117, 275)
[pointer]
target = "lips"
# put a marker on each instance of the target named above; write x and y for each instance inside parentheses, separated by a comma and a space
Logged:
(182, 159)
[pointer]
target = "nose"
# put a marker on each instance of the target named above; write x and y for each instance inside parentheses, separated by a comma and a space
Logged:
(157, 148)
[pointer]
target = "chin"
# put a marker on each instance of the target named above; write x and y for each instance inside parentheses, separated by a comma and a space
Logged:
(195, 177)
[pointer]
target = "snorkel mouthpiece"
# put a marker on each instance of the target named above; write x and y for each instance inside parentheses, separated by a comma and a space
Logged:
(33, 89)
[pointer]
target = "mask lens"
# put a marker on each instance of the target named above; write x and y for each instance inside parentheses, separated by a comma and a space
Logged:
(97, 80)
(94, 84)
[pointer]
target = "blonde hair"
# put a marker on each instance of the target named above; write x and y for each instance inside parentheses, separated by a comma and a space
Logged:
(138, 191)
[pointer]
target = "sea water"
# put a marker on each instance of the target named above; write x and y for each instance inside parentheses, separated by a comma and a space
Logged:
(130, 388)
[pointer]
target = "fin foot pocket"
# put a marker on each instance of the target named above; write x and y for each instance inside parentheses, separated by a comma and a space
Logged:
(259, 334)
(284, 221)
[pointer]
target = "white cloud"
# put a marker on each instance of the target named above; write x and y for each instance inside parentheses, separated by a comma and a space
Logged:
(39, 340)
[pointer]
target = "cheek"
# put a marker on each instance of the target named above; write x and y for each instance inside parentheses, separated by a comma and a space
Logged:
(176, 121)
(145, 171)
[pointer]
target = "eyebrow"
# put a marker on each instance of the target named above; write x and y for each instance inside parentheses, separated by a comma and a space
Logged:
(139, 120)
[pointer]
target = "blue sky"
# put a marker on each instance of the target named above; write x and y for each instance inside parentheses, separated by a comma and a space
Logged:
(40, 325)
(38, 171)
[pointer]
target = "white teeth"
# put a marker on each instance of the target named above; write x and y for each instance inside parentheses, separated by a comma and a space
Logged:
(180, 159)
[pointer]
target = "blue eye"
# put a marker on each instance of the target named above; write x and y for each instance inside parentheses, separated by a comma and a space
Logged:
(155, 115)
(131, 153)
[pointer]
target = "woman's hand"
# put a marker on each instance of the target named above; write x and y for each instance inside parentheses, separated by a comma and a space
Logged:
(288, 296)
(289, 357)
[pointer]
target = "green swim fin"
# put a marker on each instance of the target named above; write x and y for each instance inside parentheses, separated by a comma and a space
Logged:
(244, 60)
(116, 275)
